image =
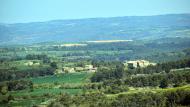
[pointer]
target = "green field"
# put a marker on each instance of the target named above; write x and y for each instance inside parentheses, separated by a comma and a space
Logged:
(79, 77)
(70, 78)
(38, 95)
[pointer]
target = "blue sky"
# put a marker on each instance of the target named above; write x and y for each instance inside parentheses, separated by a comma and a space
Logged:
(16, 11)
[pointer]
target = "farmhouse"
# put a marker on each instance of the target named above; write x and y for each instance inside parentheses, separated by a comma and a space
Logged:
(58, 71)
(79, 69)
(36, 64)
(32, 63)
(138, 63)
(68, 70)
(29, 63)
(88, 67)
(92, 69)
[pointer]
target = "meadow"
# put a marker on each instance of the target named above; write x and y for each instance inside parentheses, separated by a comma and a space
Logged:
(80, 77)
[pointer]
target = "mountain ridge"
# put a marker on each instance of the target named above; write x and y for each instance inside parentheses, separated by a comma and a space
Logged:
(76, 30)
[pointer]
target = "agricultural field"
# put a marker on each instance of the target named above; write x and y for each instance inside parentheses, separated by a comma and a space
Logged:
(78, 78)
(50, 86)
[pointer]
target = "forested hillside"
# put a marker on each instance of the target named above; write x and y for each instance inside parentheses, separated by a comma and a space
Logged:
(133, 27)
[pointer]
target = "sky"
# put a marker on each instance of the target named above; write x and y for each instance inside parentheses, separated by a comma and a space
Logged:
(22, 11)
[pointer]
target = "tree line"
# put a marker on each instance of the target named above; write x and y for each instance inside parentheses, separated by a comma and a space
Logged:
(9, 74)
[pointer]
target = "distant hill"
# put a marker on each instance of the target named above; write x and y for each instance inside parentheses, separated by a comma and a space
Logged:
(115, 28)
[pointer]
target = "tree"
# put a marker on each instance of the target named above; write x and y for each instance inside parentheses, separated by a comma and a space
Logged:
(4, 90)
(53, 65)
(164, 83)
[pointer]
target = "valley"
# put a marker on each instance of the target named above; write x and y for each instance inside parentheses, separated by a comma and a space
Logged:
(55, 70)
(140, 61)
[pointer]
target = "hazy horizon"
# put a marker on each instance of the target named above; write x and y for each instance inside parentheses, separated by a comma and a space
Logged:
(92, 18)
(21, 11)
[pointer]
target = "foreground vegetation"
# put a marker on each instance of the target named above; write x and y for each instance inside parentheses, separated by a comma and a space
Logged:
(150, 98)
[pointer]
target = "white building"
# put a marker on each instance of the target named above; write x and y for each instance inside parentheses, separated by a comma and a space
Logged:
(136, 63)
